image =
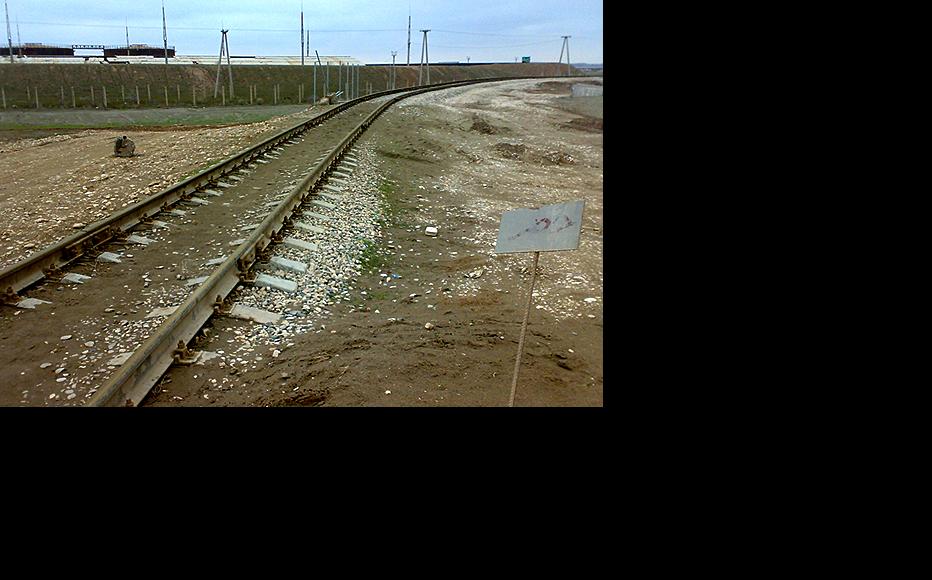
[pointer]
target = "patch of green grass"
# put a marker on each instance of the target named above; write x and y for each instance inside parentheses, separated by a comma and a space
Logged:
(377, 295)
(386, 187)
(371, 260)
(392, 211)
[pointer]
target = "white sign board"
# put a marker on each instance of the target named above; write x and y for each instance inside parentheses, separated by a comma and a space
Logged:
(547, 229)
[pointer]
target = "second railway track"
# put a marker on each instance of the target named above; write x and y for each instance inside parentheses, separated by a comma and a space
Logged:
(185, 261)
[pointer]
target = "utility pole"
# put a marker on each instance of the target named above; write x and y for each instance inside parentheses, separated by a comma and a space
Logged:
(326, 74)
(315, 77)
(9, 35)
(126, 22)
(302, 34)
(224, 47)
(314, 98)
(409, 35)
(19, 39)
(424, 58)
(164, 32)
(566, 45)
(394, 52)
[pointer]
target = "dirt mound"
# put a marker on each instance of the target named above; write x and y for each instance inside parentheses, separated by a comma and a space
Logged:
(554, 158)
(552, 87)
(522, 152)
(511, 150)
(471, 157)
(588, 124)
(482, 126)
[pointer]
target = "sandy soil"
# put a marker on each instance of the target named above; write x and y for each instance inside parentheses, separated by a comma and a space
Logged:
(436, 322)
(51, 184)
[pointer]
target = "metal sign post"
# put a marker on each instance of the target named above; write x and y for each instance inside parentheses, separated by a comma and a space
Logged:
(546, 229)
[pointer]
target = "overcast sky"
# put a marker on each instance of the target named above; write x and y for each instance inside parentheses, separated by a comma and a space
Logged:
(483, 30)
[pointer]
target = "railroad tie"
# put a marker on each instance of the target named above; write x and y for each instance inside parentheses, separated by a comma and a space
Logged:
(300, 244)
(167, 311)
(244, 312)
(109, 257)
(332, 196)
(234, 177)
(323, 204)
(332, 188)
(249, 228)
(215, 261)
(119, 359)
(72, 278)
(196, 281)
(198, 201)
(224, 184)
(178, 212)
(134, 239)
(277, 283)
(310, 228)
(212, 193)
(262, 161)
(286, 264)
(316, 216)
(30, 303)
(160, 225)
(237, 242)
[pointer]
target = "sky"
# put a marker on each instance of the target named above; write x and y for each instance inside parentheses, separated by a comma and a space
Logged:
(477, 30)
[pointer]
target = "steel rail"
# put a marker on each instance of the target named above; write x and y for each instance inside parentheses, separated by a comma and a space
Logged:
(130, 384)
(53, 258)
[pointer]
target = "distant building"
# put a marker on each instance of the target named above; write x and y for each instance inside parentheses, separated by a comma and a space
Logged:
(44, 50)
(37, 49)
(138, 50)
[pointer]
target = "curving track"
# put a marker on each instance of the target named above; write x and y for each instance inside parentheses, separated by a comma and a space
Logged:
(192, 237)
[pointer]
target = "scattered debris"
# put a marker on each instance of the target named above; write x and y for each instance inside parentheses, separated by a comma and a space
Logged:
(124, 147)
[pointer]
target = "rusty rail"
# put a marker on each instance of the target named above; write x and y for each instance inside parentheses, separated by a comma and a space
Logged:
(130, 384)
(19, 276)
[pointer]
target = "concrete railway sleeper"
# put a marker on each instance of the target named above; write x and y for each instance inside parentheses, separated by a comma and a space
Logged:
(175, 338)
(52, 259)
(134, 379)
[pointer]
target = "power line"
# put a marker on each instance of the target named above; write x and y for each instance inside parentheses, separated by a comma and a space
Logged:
(496, 46)
(495, 34)
(202, 28)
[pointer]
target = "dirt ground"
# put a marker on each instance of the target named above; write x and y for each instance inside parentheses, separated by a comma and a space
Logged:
(50, 184)
(435, 321)
(14, 122)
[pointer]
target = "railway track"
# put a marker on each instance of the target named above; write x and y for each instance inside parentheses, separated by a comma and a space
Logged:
(287, 194)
